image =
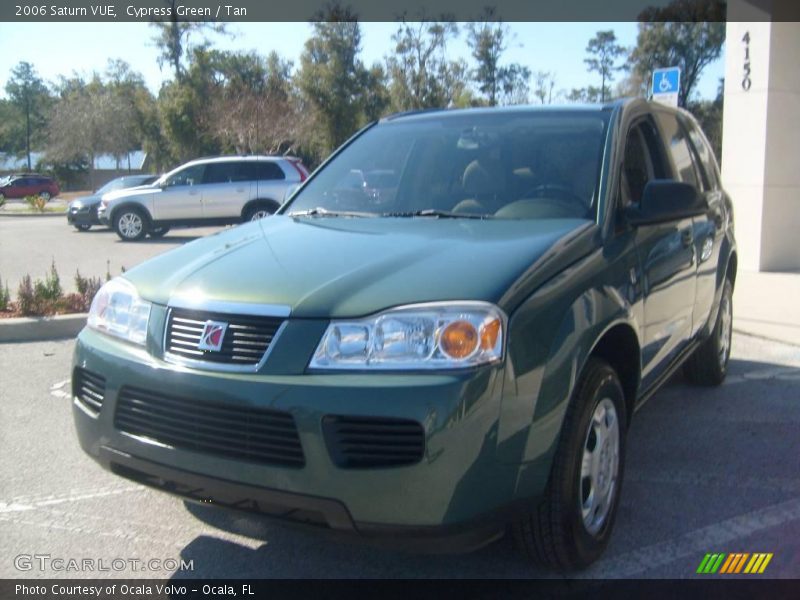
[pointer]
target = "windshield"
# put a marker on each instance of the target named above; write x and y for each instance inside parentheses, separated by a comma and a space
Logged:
(479, 164)
(121, 183)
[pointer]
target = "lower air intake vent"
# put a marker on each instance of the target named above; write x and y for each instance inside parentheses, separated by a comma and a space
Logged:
(221, 429)
(89, 389)
(371, 442)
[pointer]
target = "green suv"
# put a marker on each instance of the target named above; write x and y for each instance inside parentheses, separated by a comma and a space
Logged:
(431, 366)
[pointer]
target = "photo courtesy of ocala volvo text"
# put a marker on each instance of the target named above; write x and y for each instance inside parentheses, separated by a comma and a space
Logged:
(441, 337)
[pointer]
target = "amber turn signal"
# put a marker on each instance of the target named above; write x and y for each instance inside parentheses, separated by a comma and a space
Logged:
(459, 339)
(489, 333)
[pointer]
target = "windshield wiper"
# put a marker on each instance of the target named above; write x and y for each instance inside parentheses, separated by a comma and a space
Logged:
(324, 212)
(433, 212)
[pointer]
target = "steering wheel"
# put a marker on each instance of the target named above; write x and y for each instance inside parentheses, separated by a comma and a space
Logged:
(563, 194)
(554, 190)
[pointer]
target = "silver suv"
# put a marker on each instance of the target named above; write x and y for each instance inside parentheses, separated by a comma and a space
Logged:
(210, 191)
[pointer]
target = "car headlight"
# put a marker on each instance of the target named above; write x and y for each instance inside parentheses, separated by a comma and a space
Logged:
(420, 336)
(118, 310)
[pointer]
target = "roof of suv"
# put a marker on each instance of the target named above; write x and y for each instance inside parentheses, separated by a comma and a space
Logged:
(525, 108)
(253, 157)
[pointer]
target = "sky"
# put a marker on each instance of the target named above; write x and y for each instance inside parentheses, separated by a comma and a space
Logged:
(63, 48)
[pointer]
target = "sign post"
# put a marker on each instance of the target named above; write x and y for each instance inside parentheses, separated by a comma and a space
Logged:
(665, 86)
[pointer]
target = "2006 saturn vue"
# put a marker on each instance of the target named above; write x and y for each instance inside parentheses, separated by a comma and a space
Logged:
(458, 355)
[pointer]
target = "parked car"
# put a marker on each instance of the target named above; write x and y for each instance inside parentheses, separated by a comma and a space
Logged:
(223, 190)
(430, 373)
(82, 212)
(30, 184)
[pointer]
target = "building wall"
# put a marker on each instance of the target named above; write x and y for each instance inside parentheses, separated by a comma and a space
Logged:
(761, 141)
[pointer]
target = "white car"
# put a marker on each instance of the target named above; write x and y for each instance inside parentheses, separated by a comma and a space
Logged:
(210, 191)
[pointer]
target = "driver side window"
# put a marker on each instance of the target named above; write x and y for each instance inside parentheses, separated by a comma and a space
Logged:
(189, 176)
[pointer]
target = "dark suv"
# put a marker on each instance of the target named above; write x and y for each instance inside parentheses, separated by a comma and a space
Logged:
(31, 184)
(461, 358)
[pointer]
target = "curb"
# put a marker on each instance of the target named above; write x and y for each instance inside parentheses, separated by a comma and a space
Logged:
(38, 215)
(33, 329)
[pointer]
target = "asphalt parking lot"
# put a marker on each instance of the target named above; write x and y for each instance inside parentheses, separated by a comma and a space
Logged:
(709, 470)
(28, 245)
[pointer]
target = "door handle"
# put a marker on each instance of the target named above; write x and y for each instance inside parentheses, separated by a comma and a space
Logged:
(240, 190)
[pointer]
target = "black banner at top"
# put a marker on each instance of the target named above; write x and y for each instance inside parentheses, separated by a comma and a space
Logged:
(379, 10)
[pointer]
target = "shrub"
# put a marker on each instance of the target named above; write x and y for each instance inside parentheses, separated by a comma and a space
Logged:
(37, 203)
(2, 201)
(49, 289)
(5, 296)
(87, 289)
(26, 301)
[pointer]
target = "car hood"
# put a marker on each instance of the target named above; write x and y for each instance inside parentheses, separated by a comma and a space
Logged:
(143, 190)
(349, 267)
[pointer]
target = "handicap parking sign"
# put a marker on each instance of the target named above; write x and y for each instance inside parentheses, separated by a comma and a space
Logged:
(666, 84)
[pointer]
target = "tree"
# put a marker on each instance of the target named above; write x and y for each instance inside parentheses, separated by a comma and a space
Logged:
(253, 107)
(686, 33)
(184, 110)
(543, 85)
(31, 97)
(488, 40)
(589, 94)
(138, 106)
(604, 53)
(421, 75)
(88, 120)
(333, 81)
(709, 114)
(172, 38)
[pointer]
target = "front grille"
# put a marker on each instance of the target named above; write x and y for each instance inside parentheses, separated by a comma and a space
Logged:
(89, 389)
(246, 339)
(244, 433)
(369, 442)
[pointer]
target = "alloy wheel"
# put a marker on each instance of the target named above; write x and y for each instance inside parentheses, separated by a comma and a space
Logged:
(130, 225)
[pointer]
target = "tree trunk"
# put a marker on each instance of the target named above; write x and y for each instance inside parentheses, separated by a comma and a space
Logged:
(28, 132)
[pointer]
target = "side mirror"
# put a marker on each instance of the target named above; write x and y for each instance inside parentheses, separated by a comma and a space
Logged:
(666, 200)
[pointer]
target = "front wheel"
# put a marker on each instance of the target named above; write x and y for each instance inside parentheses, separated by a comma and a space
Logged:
(572, 525)
(708, 365)
(130, 224)
(45, 196)
(259, 211)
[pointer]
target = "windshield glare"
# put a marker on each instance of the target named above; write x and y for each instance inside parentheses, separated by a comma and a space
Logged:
(513, 165)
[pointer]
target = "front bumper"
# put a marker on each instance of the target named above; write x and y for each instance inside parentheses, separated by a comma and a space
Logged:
(83, 217)
(458, 493)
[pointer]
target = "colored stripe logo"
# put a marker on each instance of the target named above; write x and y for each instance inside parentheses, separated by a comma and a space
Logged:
(737, 562)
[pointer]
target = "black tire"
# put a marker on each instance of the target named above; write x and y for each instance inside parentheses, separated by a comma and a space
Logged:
(158, 232)
(83, 227)
(555, 534)
(46, 196)
(259, 211)
(123, 223)
(708, 365)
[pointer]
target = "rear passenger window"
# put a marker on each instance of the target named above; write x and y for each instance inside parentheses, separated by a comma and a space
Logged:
(678, 147)
(705, 154)
(265, 170)
(221, 172)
